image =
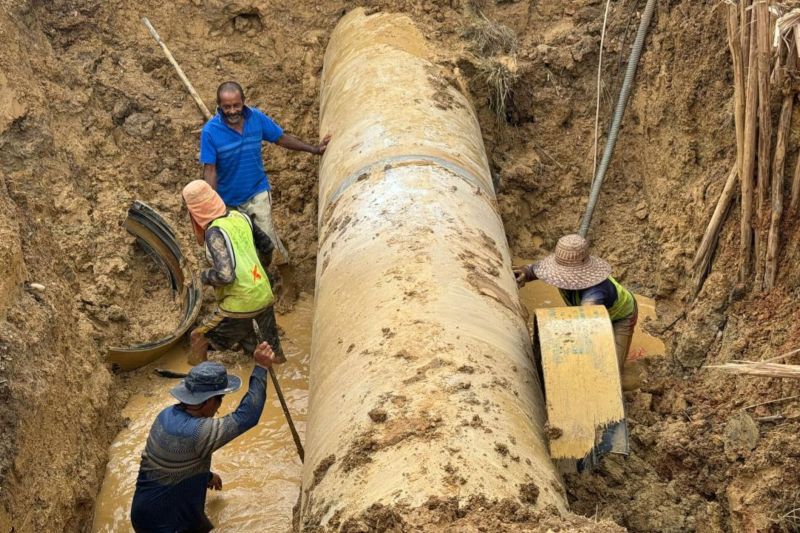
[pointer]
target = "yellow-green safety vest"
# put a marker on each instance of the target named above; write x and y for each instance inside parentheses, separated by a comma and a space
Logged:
(623, 306)
(250, 290)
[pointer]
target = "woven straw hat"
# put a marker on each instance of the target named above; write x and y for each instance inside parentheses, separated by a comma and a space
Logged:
(571, 267)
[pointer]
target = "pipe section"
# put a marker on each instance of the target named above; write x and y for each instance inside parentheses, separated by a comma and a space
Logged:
(157, 238)
(421, 380)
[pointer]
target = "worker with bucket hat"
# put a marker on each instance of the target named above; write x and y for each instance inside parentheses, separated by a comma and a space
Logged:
(175, 469)
(584, 279)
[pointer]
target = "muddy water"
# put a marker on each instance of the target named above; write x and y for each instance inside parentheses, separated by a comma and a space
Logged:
(260, 470)
(539, 294)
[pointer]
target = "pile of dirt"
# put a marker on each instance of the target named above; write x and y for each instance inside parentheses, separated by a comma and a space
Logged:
(92, 116)
(154, 313)
(476, 514)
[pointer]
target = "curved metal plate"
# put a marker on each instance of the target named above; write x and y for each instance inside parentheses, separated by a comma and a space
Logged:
(582, 386)
(153, 232)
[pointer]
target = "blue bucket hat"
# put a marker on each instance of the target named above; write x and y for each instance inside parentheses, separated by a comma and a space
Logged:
(204, 381)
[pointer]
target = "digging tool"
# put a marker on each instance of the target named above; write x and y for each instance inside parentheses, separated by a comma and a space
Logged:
(285, 407)
(583, 394)
(178, 69)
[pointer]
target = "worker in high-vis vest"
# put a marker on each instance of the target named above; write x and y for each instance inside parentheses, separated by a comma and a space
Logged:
(583, 279)
(243, 291)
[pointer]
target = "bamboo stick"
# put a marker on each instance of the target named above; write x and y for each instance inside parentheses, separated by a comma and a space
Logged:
(784, 125)
(714, 225)
(770, 402)
(748, 161)
(795, 199)
(178, 69)
(778, 357)
(744, 26)
(795, 187)
(705, 252)
(735, 45)
(769, 370)
(763, 40)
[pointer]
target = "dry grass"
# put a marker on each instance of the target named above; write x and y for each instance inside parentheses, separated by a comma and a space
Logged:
(495, 46)
(789, 521)
(488, 38)
(500, 75)
(784, 25)
(769, 368)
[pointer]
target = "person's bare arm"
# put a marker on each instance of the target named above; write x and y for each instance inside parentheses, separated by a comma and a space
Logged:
(210, 175)
(290, 142)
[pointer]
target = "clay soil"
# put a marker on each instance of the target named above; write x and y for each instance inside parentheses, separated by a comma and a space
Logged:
(92, 117)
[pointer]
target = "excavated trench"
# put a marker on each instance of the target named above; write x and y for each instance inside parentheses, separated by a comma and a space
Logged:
(260, 471)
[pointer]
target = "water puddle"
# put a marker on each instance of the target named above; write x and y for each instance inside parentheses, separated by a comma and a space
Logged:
(538, 294)
(260, 470)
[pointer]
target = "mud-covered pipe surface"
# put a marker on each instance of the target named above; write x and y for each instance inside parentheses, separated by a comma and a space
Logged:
(421, 377)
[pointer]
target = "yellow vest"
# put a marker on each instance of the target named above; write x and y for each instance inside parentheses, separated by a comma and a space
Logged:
(623, 306)
(250, 290)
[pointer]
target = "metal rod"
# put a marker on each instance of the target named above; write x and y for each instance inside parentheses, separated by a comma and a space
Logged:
(300, 451)
(625, 92)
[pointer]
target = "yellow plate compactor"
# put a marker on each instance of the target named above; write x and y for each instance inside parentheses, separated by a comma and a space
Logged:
(577, 358)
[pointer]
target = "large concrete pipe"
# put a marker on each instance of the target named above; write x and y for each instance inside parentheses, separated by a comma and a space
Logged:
(422, 383)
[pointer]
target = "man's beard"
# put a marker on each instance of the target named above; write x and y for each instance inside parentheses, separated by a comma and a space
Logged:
(233, 118)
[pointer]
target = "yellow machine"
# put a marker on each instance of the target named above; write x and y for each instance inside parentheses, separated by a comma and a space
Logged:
(583, 394)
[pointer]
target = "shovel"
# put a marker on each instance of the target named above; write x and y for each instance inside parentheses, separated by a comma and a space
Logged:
(285, 407)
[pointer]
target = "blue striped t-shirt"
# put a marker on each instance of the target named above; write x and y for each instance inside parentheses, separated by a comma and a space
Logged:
(240, 169)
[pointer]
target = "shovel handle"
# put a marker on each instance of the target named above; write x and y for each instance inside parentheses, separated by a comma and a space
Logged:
(295, 436)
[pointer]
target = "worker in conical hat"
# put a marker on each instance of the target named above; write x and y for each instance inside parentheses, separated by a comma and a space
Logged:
(583, 279)
(243, 291)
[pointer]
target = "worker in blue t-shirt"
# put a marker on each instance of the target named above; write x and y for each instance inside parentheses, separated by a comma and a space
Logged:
(230, 150)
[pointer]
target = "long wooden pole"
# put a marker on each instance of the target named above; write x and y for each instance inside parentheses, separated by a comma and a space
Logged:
(714, 225)
(784, 126)
(796, 180)
(295, 436)
(178, 69)
(735, 45)
(763, 38)
(705, 252)
(748, 161)
(795, 187)
(744, 25)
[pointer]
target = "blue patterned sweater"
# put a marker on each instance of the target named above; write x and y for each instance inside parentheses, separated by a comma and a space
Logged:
(176, 463)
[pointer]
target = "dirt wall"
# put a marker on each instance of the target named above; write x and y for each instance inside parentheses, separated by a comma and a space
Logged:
(54, 391)
(697, 462)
